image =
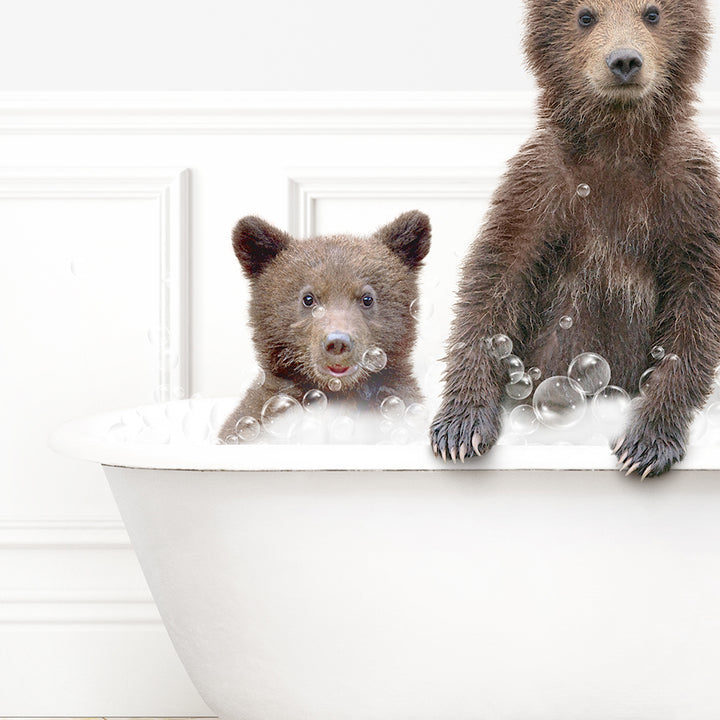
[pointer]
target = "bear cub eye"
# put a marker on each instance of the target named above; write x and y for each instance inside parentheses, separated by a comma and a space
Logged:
(585, 18)
(308, 300)
(367, 300)
(652, 15)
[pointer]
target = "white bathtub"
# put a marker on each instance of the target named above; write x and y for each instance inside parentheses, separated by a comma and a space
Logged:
(374, 583)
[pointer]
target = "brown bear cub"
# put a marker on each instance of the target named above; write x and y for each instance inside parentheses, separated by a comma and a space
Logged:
(609, 214)
(332, 313)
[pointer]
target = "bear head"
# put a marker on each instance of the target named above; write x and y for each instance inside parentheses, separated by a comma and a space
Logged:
(319, 305)
(593, 58)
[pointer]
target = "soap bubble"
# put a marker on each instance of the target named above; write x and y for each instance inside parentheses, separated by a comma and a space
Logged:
(500, 346)
(161, 393)
(232, 440)
(583, 190)
(698, 428)
(713, 413)
(335, 384)
(79, 268)
(521, 388)
(457, 347)
(515, 367)
(315, 401)
(591, 371)
(610, 405)
(342, 428)
(178, 393)
(415, 308)
(658, 352)
(645, 379)
(280, 415)
(522, 420)
(169, 358)
(671, 358)
(392, 408)
(566, 322)
(374, 359)
(247, 428)
(559, 402)
(535, 373)
(417, 416)
(159, 337)
(318, 311)
(386, 427)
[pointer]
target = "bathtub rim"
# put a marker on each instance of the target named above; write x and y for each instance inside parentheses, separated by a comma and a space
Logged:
(86, 438)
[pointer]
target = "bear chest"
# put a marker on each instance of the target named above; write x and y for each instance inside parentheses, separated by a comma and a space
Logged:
(609, 265)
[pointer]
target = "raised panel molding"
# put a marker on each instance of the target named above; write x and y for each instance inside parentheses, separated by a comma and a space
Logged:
(170, 189)
(407, 113)
(49, 541)
(63, 534)
(308, 187)
(77, 602)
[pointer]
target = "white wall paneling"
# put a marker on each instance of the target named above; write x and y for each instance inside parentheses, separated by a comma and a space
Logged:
(280, 113)
(94, 296)
(109, 244)
(169, 190)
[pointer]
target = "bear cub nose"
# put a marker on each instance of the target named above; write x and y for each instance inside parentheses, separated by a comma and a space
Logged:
(624, 64)
(337, 343)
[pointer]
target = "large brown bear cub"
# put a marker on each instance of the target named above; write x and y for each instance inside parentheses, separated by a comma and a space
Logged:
(318, 305)
(635, 264)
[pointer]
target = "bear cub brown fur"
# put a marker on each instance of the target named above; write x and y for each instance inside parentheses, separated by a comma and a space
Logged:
(318, 305)
(635, 263)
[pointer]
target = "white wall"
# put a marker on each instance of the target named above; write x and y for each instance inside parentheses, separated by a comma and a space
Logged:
(276, 45)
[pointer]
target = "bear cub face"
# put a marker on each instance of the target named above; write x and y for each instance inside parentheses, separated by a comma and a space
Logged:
(616, 55)
(333, 312)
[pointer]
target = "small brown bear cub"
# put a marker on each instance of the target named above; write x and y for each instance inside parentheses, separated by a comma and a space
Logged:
(635, 263)
(317, 306)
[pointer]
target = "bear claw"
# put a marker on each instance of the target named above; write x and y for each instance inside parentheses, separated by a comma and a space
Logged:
(650, 450)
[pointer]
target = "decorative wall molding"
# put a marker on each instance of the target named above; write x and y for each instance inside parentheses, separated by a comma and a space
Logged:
(407, 113)
(63, 534)
(38, 607)
(170, 189)
(76, 603)
(307, 187)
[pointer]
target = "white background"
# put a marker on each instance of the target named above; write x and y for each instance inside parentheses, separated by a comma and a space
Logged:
(81, 280)
(274, 45)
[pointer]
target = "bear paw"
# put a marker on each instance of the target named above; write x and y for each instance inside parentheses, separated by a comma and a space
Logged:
(461, 432)
(649, 451)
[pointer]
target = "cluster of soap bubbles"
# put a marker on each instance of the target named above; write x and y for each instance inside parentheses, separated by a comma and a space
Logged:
(314, 420)
(559, 402)
(562, 402)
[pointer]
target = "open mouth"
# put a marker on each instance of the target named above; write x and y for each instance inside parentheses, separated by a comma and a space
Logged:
(340, 370)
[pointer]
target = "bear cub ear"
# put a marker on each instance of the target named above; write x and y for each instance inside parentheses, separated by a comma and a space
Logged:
(409, 236)
(256, 243)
